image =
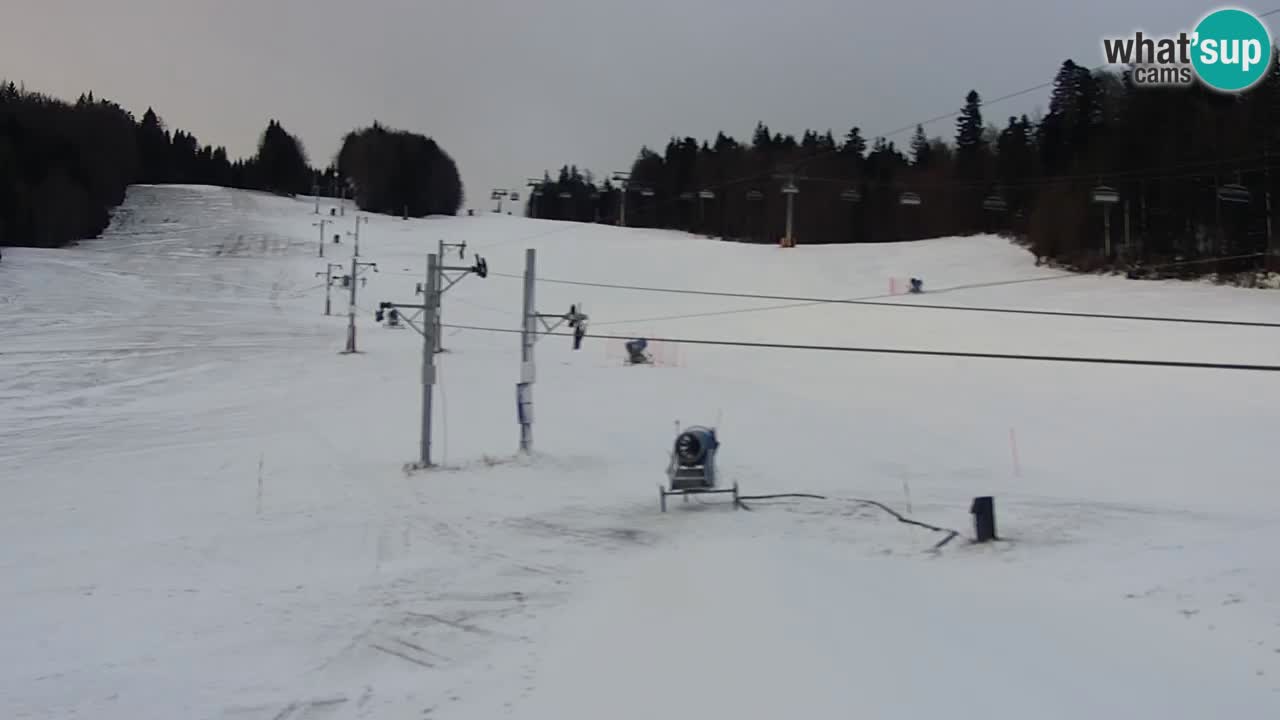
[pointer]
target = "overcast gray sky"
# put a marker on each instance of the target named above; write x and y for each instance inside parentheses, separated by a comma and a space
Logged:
(512, 87)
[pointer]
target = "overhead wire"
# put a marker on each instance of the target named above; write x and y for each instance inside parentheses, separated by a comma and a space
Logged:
(938, 118)
(805, 161)
(906, 351)
(1253, 162)
(1177, 171)
(573, 226)
(796, 301)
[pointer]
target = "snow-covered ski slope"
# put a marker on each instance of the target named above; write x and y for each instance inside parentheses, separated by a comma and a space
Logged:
(205, 513)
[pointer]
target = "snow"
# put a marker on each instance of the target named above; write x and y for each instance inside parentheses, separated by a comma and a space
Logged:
(877, 638)
(207, 514)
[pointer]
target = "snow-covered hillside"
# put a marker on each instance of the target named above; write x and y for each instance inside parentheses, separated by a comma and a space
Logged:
(206, 514)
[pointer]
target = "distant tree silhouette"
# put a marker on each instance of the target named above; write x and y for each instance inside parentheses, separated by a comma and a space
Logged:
(1169, 153)
(1166, 151)
(153, 149)
(921, 149)
(281, 162)
(62, 166)
(394, 171)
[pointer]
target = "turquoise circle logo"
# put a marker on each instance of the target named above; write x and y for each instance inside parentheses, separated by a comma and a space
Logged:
(1232, 50)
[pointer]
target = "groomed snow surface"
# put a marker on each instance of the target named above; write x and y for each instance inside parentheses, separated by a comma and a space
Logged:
(206, 514)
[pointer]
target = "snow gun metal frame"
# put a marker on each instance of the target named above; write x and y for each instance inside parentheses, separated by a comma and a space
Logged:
(692, 467)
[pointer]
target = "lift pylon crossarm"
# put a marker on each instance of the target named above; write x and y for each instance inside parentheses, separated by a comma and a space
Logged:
(406, 306)
(411, 323)
(548, 327)
(480, 268)
(573, 317)
(462, 248)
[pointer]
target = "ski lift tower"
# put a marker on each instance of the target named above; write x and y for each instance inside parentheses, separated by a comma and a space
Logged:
(498, 194)
(624, 186)
(1107, 197)
(790, 189)
(1233, 194)
(996, 208)
(535, 192)
(851, 197)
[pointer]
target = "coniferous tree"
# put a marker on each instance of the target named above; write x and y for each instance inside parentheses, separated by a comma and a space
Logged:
(62, 166)
(854, 144)
(1031, 178)
(394, 171)
(153, 149)
(969, 137)
(921, 149)
(1167, 151)
(282, 162)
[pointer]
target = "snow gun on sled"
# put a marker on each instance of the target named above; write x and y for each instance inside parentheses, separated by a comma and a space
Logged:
(636, 354)
(692, 467)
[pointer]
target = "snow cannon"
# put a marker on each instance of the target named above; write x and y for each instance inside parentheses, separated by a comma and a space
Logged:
(692, 467)
(636, 354)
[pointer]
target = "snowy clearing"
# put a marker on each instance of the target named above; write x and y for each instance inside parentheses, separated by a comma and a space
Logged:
(206, 513)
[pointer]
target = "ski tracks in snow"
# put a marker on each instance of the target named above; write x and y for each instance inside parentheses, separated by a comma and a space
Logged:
(455, 591)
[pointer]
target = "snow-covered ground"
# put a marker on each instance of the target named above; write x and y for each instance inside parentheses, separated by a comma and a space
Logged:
(206, 513)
